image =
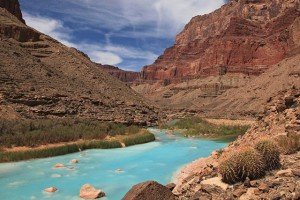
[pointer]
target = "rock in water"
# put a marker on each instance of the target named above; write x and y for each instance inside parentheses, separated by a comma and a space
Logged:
(149, 190)
(58, 165)
(87, 191)
(51, 189)
(74, 161)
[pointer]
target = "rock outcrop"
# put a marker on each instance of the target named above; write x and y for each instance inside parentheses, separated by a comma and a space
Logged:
(122, 75)
(200, 179)
(13, 7)
(149, 190)
(42, 78)
(87, 191)
(241, 37)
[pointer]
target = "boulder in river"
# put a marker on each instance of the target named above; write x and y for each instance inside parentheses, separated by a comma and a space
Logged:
(50, 189)
(87, 191)
(74, 161)
(58, 165)
(149, 190)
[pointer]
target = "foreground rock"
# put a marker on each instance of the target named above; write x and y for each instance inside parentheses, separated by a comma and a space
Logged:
(149, 191)
(51, 189)
(199, 180)
(87, 191)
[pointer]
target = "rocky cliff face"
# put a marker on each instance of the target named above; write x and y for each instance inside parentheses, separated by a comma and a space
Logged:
(40, 77)
(241, 37)
(122, 75)
(13, 7)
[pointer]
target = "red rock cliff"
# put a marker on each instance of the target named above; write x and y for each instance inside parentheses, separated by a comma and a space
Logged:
(13, 7)
(124, 76)
(243, 36)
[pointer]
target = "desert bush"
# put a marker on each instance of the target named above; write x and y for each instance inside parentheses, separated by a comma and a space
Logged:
(270, 154)
(140, 138)
(33, 133)
(288, 144)
(196, 126)
(37, 153)
(242, 164)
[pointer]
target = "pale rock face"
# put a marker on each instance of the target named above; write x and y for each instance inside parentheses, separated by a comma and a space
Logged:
(87, 191)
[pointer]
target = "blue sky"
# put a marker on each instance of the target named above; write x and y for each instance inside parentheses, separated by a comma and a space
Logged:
(126, 33)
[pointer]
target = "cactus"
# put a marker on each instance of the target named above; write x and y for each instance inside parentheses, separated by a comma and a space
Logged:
(288, 144)
(242, 164)
(270, 153)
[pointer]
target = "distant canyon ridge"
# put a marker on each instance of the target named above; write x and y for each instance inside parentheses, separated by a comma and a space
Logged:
(225, 51)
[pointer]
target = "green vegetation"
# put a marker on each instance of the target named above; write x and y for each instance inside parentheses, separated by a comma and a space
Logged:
(128, 140)
(288, 144)
(37, 153)
(32, 133)
(270, 154)
(195, 126)
(141, 138)
(242, 164)
(76, 135)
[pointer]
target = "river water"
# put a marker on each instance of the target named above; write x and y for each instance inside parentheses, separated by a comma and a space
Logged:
(115, 171)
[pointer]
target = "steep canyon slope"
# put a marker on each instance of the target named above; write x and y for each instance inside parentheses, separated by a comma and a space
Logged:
(40, 77)
(236, 46)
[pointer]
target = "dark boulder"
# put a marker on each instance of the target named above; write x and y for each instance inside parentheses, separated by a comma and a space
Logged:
(149, 190)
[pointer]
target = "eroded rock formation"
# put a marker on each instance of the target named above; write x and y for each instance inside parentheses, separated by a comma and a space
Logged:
(13, 7)
(241, 37)
(122, 75)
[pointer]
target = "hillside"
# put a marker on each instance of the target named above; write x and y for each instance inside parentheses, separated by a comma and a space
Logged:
(41, 78)
(229, 62)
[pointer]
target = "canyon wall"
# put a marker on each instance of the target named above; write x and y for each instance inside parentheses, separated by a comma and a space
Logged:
(241, 37)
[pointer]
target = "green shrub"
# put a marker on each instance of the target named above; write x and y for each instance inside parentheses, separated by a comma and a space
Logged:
(270, 154)
(32, 133)
(242, 164)
(38, 153)
(100, 145)
(141, 138)
(288, 144)
(196, 126)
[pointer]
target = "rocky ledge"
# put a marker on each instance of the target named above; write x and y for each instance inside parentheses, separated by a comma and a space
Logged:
(202, 179)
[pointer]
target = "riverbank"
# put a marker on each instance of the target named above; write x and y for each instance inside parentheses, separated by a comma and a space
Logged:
(214, 129)
(280, 125)
(23, 140)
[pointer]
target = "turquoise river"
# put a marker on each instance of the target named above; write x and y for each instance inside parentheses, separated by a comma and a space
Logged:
(114, 171)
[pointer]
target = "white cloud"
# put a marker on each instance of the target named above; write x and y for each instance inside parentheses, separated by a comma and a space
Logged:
(105, 57)
(120, 18)
(51, 27)
(144, 18)
(101, 53)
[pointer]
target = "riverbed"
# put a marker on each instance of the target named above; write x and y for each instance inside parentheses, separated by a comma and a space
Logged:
(114, 171)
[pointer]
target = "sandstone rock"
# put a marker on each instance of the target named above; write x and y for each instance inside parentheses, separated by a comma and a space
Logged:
(149, 191)
(232, 29)
(296, 172)
(87, 191)
(50, 190)
(74, 161)
(239, 192)
(125, 76)
(286, 172)
(263, 187)
(13, 6)
(217, 181)
(58, 165)
(171, 186)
